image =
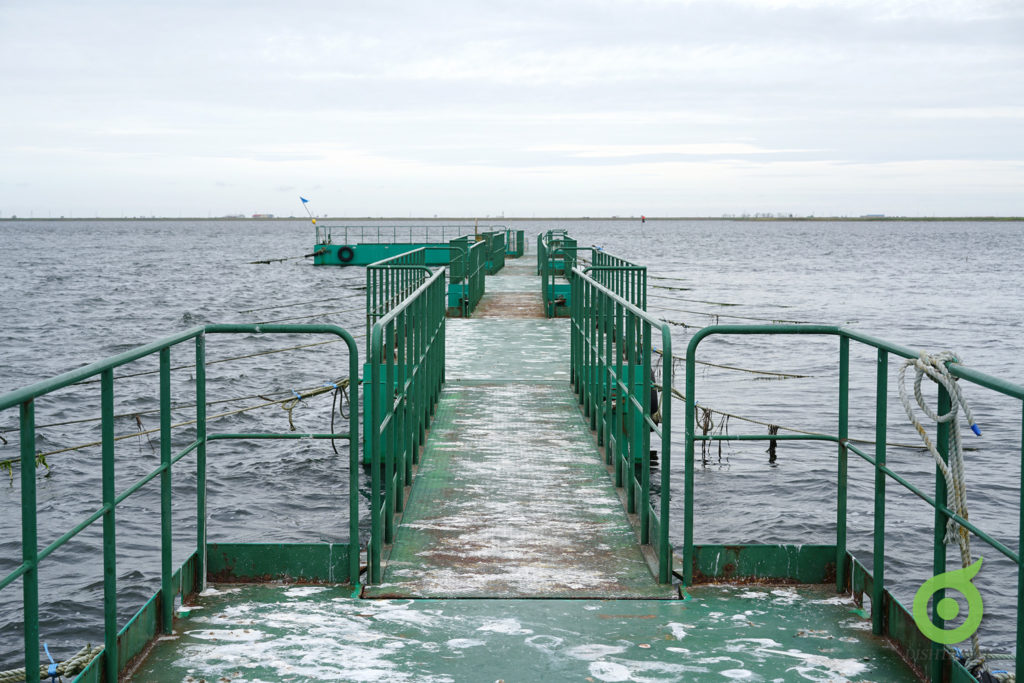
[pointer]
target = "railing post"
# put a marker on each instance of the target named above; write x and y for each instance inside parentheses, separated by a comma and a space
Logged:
(373, 438)
(939, 543)
(390, 443)
(664, 550)
(166, 539)
(690, 421)
(1020, 562)
(201, 461)
(627, 409)
(109, 527)
(844, 420)
(878, 559)
(29, 539)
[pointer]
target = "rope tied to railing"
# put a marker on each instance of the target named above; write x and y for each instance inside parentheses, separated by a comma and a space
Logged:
(69, 667)
(934, 366)
(290, 404)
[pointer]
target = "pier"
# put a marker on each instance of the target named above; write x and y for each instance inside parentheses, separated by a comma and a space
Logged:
(510, 455)
(513, 555)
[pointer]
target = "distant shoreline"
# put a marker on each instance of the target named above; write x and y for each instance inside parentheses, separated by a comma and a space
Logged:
(491, 220)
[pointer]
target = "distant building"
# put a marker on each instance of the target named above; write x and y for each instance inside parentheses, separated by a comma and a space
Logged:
(873, 215)
(263, 215)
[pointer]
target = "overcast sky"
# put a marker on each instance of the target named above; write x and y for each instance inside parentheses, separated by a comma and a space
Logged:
(521, 108)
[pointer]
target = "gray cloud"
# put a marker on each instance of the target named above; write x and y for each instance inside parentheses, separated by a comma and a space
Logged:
(377, 97)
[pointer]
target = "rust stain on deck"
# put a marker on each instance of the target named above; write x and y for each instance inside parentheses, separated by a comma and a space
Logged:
(510, 305)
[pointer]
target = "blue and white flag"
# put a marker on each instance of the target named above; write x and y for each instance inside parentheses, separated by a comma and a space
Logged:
(304, 200)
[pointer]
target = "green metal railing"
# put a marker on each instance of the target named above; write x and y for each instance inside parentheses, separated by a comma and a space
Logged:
(557, 254)
(469, 269)
(882, 473)
(391, 281)
(406, 374)
(626, 279)
(515, 243)
(395, 234)
(495, 251)
(611, 362)
(24, 399)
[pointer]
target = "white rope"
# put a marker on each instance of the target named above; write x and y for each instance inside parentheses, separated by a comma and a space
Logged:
(934, 367)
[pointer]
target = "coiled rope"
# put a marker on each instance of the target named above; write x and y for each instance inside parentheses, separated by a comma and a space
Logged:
(68, 667)
(934, 366)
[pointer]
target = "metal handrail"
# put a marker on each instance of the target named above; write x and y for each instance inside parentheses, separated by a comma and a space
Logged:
(558, 254)
(389, 281)
(942, 513)
(469, 268)
(406, 374)
(611, 360)
(24, 399)
(396, 234)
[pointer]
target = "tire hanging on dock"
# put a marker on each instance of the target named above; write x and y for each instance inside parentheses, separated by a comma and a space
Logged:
(346, 254)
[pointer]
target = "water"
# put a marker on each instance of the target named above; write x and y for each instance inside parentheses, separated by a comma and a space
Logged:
(74, 292)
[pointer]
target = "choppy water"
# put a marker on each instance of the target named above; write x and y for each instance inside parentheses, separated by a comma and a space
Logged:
(75, 292)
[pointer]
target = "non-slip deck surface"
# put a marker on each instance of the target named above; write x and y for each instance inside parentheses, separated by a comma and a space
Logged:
(512, 500)
(507, 350)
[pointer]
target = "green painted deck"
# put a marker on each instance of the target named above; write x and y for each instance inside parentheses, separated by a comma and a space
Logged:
(319, 633)
(512, 500)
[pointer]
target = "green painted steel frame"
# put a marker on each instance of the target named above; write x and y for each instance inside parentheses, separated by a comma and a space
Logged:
(390, 281)
(407, 353)
(884, 349)
(515, 243)
(496, 249)
(558, 254)
(469, 269)
(626, 279)
(610, 343)
(25, 398)
(395, 234)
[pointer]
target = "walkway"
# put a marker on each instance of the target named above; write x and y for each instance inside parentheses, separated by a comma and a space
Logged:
(512, 498)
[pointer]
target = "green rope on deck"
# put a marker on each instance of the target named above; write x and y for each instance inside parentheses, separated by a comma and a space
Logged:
(69, 667)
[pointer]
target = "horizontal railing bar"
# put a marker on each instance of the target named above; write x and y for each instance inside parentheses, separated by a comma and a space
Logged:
(66, 379)
(82, 526)
(268, 435)
(946, 511)
(957, 370)
(73, 376)
(18, 572)
(766, 437)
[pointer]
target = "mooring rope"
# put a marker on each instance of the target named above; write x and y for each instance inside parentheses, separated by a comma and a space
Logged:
(68, 667)
(935, 368)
